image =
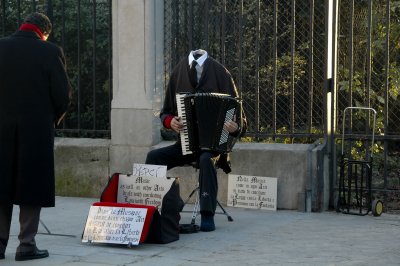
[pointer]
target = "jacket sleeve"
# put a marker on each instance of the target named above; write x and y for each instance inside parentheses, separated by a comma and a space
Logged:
(60, 87)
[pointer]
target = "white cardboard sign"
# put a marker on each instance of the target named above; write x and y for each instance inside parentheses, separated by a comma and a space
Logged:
(147, 185)
(255, 192)
(114, 225)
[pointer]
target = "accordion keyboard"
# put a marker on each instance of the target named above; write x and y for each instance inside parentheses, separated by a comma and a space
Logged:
(184, 135)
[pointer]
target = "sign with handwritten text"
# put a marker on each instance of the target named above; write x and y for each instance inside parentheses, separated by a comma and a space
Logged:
(149, 170)
(147, 185)
(114, 225)
(255, 192)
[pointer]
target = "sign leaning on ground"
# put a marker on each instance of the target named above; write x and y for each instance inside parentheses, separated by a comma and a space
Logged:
(147, 185)
(255, 192)
(114, 225)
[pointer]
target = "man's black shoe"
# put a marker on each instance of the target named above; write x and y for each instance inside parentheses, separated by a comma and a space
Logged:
(2, 256)
(31, 255)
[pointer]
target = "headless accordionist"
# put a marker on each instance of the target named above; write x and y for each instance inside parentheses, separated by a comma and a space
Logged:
(198, 73)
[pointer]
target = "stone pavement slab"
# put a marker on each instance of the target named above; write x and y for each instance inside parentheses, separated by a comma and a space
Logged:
(255, 237)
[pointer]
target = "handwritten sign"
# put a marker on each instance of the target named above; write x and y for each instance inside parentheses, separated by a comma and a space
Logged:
(253, 192)
(149, 170)
(114, 225)
(147, 185)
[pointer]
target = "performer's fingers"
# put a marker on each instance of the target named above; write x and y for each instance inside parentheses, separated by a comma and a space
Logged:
(231, 126)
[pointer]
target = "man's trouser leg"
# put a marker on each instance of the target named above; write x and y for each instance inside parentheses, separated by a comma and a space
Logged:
(29, 218)
(208, 184)
(5, 223)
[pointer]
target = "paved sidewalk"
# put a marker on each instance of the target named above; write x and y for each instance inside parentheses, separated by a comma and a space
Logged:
(254, 238)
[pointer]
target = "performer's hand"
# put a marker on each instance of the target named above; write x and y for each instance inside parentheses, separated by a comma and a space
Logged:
(231, 126)
(176, 124)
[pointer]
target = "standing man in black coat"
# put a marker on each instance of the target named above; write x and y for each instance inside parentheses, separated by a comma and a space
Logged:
(34, 96)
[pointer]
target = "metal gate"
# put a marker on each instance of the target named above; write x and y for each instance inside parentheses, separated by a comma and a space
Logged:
(277, 53)
(83, 29)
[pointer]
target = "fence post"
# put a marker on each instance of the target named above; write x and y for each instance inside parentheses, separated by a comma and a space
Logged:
(137, 81)
(330, 92)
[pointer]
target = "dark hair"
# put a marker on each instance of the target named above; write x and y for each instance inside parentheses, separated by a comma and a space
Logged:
(41, 21)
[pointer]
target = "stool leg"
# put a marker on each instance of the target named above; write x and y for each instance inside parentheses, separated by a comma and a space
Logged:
(230, 219)
(191, 194)
(196, 206)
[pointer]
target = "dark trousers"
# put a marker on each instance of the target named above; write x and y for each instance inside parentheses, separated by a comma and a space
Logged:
(29, 217)
(171, 156)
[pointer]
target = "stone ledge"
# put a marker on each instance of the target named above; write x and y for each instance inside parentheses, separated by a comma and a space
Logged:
(287, 162)
(83, 167)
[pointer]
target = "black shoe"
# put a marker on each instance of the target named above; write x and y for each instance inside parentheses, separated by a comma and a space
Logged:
(31, 255)
(207, 223)
(2, 256)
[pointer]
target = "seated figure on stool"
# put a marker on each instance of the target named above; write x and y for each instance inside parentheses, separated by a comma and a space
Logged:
(197, 73)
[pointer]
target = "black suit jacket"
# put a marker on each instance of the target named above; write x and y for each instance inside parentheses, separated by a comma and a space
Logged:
(214, 78)
(34, 95)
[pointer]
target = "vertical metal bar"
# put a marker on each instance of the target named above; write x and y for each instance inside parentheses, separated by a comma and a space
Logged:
(351, 59)
(49, 11)
(369, 56)
(386, 107)
(311, 68)
(110, 77)
(190, 24)
(79, 63)
(63, 39)
(349, 175)
(356, 188)
(330, 90)
(369, 71)
(174, 30)
(369, 186)
(34, 5)
(63, 25)
(241, 47)
(293, 54)
(168, 28)
(257, 92)
(19, 12)
(362, 188)
(3, 19)
(223, 33)
(275, 69)
(94, 64)
(206, 22)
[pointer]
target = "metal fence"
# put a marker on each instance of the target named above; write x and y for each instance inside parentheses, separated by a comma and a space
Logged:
(276, 52)
(83, 29)
(369, 75)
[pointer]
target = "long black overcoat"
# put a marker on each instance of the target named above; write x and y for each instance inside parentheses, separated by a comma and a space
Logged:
(34, 94)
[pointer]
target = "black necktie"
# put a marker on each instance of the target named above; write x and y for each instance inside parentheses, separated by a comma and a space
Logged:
(193, 74)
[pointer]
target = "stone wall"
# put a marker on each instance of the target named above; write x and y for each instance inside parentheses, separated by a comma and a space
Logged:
(82, 169)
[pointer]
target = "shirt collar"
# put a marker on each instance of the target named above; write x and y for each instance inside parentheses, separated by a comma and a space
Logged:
(199, 60)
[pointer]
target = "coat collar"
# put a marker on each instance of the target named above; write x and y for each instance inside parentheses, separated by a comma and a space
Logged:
(26, 34)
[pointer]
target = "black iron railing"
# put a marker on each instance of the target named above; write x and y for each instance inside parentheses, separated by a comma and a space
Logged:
(83, 29)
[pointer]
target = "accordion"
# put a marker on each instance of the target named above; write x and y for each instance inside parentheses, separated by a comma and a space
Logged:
(203, 116)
